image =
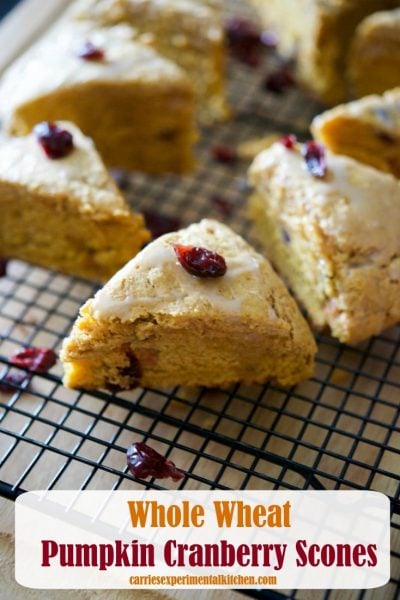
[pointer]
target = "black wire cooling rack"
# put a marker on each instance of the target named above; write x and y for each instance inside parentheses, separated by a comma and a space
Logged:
(339, 430)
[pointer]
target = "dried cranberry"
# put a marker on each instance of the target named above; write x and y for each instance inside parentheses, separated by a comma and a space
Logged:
(133, 372)
(224, 205)
(91, 52)
(289, 141)
(143, 461)
(239, 30)
(224, 154)
(244, 39)
(3, 267)
(38, 360)
(56, 142)
(279, 81)
(200, 262)
(12, 380)
(160, 224)
(314, 155)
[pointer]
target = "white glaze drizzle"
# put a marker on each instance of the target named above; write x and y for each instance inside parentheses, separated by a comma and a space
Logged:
(160, 257)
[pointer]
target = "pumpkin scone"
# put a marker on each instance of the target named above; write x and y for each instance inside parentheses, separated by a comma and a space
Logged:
(318, 33)
(331, 226)
(59, 207)
(367, 130)
(189, 33)
(195, 307)
(374, 58)
(137, 106)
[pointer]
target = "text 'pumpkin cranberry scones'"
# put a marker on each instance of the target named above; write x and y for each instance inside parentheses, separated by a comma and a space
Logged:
(195, 307)
(188, 32)
(137, 106)
(331, 226)
(60, 208)
(366, 129)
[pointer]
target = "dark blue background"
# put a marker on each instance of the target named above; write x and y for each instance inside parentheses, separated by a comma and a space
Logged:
(6, 5)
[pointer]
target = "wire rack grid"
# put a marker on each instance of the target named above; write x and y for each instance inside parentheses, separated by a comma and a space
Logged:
(339, 430)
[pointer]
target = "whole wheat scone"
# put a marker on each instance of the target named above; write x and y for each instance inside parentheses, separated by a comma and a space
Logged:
(318, 33)
(155, 324)
(137, 106)
(374, 58)
(187, 32)
(64, 213)
(367, 130)
(335, 239)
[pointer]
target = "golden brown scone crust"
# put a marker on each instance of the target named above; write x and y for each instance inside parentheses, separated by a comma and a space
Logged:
(243, 326)
(335, 240)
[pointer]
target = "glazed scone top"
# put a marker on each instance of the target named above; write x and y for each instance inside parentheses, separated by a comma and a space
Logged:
(191, 16)
(81, 174)
(354, 208)
(383, 112)
(155, 283)
(53, 63)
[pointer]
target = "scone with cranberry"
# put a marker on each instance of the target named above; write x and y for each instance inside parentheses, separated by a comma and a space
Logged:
(190, 33)
(331, 226)
(137, 106)
(195, 307)
(60, 208)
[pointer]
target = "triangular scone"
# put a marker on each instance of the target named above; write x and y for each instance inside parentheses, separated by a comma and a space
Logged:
(64, 213)
(367, 130)
(137, 106)
(188, 32)
(154, 324)
(334, 238)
